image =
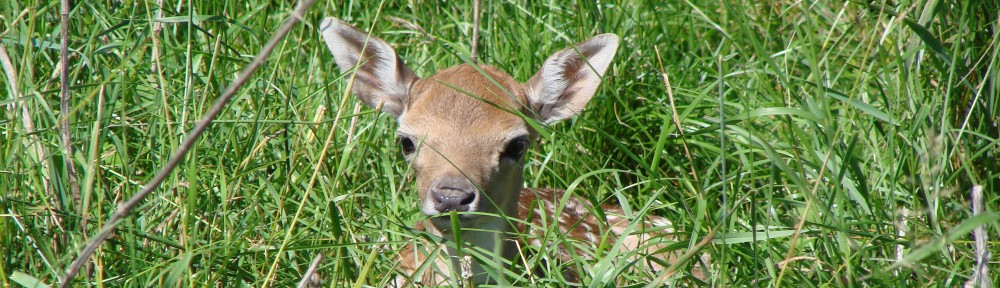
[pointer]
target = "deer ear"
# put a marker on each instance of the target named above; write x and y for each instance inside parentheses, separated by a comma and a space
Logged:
(569, 78)
(380, 77)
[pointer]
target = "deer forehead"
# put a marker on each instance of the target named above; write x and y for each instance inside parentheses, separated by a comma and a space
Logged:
(464, 106)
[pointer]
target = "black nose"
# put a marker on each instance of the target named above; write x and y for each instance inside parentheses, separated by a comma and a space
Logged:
(452, 194)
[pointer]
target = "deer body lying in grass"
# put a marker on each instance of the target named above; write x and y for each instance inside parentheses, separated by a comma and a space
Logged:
(464, 132)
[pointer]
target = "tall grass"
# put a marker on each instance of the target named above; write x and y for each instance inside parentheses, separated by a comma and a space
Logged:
(825, 143)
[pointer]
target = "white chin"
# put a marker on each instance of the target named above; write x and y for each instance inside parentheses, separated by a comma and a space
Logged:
(445, 218)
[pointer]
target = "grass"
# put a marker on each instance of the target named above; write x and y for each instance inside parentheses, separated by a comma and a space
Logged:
(846, 135)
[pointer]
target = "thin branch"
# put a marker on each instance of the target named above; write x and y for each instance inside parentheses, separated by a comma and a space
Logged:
(126, 208)
(34, 142)
(307, 279)
(412, 26)
(980, 275)
(677, 120)
(157, 30)
(67, 141)
(809, 202)
(475, 31)
(28, 124)
(674, 268)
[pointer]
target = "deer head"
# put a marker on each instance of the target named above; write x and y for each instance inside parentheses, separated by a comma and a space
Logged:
(465, 129)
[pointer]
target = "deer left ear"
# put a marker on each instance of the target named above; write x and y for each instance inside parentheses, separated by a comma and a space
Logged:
(381, 78)
(569, 78)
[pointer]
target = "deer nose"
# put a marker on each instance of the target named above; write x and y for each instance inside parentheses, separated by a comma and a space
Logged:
(453, 194)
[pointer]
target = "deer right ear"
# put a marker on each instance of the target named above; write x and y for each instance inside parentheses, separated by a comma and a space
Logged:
(569, 78)
(380, 77)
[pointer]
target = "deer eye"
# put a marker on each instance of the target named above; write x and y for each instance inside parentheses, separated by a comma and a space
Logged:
(407, 144)
(515, 148)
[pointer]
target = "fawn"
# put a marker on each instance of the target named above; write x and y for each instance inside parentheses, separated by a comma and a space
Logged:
(463, 131)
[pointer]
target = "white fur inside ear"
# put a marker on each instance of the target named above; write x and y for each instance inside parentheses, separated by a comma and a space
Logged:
(569, 78)
(380, 77)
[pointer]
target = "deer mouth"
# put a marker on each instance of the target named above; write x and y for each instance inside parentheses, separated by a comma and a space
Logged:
(466, 212)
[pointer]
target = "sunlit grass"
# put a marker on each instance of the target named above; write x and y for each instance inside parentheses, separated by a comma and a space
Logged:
(848, 136)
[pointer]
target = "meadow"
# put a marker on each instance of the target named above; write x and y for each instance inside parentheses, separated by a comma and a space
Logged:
(799, 143)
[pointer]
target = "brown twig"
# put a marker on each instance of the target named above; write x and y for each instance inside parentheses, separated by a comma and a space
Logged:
(34, 142)
(307, 280)
(980, 277)
(157, 30)
(805, 214)
(674, 268)
(67, 141)
(27, 123)
(412, 26)
(125, 208)
(677, 119)
(475, 31)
